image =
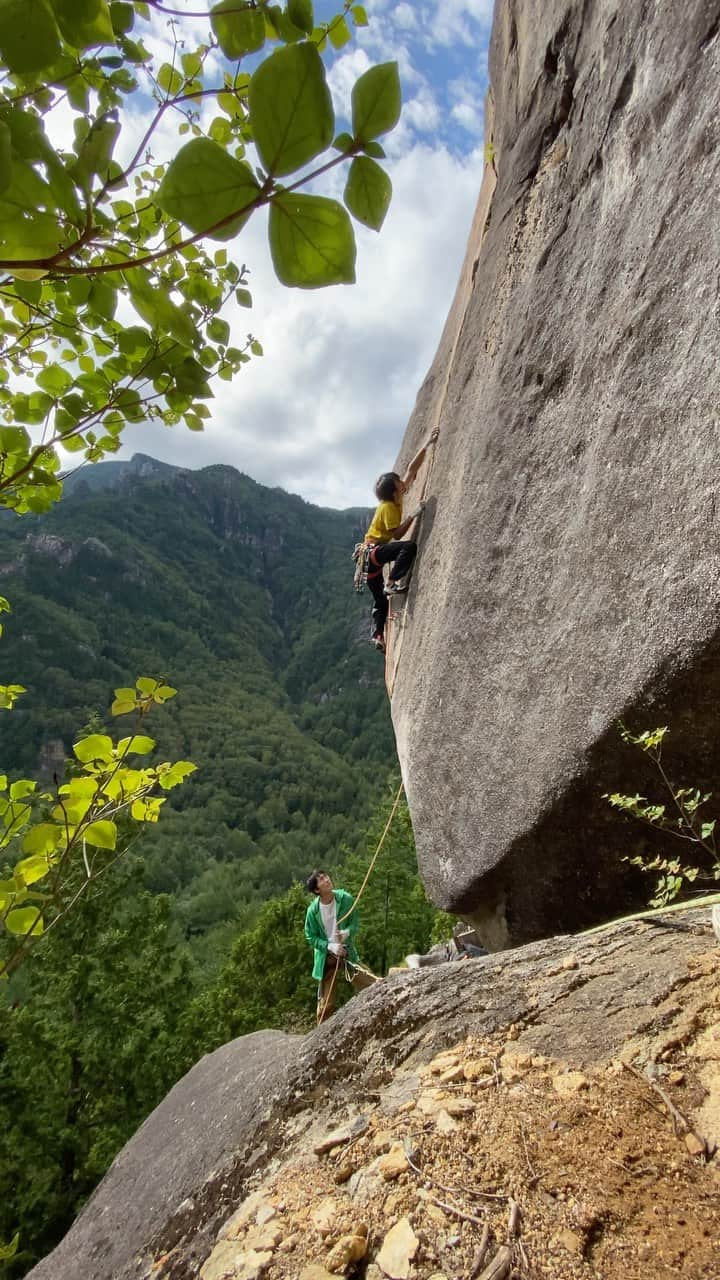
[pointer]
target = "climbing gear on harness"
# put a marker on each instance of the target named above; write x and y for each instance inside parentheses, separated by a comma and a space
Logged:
(361, 556)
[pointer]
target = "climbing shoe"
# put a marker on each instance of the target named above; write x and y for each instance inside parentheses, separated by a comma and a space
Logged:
(379, 642)
(396, 588)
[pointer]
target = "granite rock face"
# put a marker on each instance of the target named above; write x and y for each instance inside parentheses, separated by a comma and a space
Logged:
(569, 572)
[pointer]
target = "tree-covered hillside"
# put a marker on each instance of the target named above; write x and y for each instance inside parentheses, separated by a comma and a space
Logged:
(241, 597)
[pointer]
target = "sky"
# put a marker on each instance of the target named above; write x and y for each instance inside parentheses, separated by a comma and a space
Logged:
(324, 411)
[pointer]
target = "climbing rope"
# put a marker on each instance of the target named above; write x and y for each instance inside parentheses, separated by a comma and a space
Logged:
(374, 859)
(322, 1011)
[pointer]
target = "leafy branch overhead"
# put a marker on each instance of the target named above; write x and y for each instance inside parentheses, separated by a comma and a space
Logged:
(90, 218)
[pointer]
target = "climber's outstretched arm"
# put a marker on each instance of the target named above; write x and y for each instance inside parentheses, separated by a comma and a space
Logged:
(416, 463)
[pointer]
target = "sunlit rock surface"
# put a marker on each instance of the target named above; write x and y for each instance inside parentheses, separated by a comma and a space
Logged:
(569, 572)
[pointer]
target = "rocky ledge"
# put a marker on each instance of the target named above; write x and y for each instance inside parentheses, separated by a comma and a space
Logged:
(551, 1111)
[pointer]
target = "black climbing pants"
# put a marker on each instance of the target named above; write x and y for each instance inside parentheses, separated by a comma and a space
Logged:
(401, 555)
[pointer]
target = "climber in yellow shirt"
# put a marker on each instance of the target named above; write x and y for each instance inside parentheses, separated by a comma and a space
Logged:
(384, 535)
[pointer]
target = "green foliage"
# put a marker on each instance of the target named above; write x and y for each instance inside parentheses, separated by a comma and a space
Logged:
(292, 109)
(368, 192)
(311, 239)
(204, 577)
(682, 820)
(79, 229)
(88, 1046)
(66, 832)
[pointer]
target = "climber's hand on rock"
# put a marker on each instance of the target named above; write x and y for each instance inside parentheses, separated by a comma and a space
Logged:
(432, 437)
(418, 511)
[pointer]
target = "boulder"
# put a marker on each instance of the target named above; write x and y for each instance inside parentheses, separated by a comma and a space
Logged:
(569, 567)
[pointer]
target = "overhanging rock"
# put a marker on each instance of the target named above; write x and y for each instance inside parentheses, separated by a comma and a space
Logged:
(569, 572)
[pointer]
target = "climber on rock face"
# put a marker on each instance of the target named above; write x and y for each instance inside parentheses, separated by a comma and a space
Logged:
(331, 923)
(383, 540)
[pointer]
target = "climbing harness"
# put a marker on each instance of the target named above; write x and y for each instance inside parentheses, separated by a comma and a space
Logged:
(361, 556)
(322, 1010)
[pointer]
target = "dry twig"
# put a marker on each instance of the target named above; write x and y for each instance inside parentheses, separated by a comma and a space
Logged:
(679, 1121)
(477, 1262)
(459, 1213)
(499, 1267)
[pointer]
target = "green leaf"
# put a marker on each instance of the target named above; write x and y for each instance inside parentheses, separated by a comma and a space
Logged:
(43, 839)
(9, 1250)
(244, 297)
(175, 774)
(204, 185)
(95, 153)
(54, 379)
(360, 17)
(122, 706)
(138, 745)
(169, 79)
(31, 869)
(146, 685)
(220, 130)
(300, 13)
(343, 142)
(122, 16)
(23, 921)
(98, 746)
(376, 101)
(84, 23)
(238, 32)
(338, 33)
(160, 312)
(291, 109)
(163, 692)
(29, 38)
(375, 150)
(311, 241)
(5, 156)
(103, 835)
(368, 192)
(219, 331)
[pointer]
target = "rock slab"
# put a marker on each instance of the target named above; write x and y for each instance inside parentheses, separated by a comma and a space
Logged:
(569, 568)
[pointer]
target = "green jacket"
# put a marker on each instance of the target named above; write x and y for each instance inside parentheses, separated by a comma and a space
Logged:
(315, 930)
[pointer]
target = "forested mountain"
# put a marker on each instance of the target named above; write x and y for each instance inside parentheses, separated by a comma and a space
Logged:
(241, 597)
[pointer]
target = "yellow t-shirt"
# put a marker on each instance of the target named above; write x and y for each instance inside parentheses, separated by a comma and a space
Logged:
(385, 521)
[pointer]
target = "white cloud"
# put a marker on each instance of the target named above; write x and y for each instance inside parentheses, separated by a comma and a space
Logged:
(327, 406)
(468, 105)
(406, 17)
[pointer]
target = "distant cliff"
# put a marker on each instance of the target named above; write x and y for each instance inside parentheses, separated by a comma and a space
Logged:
(569, 572)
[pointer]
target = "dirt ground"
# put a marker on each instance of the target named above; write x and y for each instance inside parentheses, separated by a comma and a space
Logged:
(489, 1161)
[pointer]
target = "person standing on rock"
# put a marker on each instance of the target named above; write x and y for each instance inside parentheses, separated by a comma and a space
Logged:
(331, 923)
(383, 540)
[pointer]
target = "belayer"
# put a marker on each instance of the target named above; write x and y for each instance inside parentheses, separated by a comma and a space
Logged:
(383, 543)
(331, 922)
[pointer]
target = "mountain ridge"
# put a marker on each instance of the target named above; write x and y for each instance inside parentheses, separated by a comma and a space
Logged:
(241, 597)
